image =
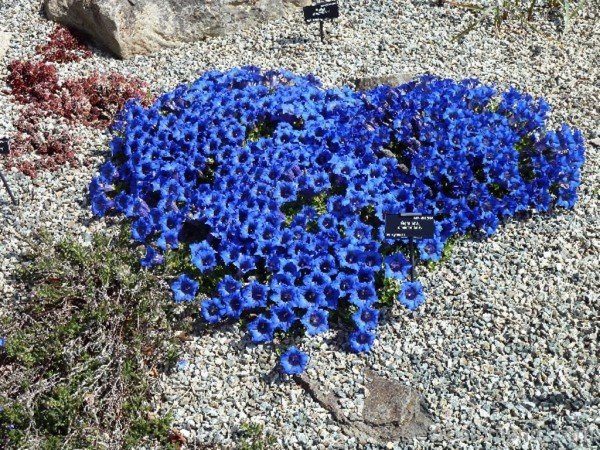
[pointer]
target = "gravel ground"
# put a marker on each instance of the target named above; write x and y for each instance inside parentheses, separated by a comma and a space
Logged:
(505, 349)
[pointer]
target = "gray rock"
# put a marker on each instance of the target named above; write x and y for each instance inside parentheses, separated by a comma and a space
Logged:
(392, 411)
(595, 142)
(128, 28)
(395, 410)
(366, 83)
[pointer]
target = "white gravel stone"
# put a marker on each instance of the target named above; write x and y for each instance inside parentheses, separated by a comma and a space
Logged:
(504, 350)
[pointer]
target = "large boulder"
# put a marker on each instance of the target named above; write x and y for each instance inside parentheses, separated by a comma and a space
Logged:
(135, 27)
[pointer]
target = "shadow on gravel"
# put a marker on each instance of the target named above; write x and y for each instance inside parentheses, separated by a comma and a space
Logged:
(292, 40)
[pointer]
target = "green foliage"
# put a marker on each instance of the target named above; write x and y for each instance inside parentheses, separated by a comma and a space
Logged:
(497, 190)
(447, 250)
(523, 11)
(178, 261)
(525, 148)
(319, 202)
(264, 129)
(83, 348)
(388, 293)
(253, 437)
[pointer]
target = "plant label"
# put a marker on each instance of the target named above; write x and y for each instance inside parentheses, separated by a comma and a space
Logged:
(409, 225)
(321, 11)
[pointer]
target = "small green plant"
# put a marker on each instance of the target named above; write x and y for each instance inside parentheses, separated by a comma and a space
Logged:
(83, 348)
(389, 292)
(253, 437)
(522, 11)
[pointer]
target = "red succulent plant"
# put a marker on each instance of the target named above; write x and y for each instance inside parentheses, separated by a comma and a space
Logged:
(91, 101)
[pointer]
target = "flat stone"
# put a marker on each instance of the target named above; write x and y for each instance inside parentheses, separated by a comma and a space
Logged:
(135, 27)
(366, 83)
(396, 411)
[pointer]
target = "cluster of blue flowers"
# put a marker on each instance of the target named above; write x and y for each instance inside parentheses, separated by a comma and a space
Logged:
(285, 185)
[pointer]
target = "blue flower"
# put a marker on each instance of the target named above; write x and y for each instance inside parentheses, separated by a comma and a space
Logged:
(255, 295)
(234, 305)
(326, 264)
(152, 258)
(203, 256)
(101, 204)
(346, 283)
(284, 316)
(261, 329)
(430, 249)
(366, 318)
(309, 296)
(331, 296)
(213, 310)
(184, 289)
(277, 188)
(315, 321)
(397, 266)
(141, 229)
(363, 294)
(293, 361)
(228, 285)
(361, 341)
(411, 295)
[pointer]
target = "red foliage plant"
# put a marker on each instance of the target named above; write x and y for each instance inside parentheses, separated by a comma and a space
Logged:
(32, 82)
(64, 46)
(33, 149)
(91, 101)
(94, 100)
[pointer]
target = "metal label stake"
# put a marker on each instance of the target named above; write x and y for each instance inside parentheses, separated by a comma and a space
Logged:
(411, 243)
(320, 12)
(410, 226)
(5, 150)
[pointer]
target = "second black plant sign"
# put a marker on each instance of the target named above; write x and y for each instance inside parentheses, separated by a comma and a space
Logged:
(410, 226)
(320, 12)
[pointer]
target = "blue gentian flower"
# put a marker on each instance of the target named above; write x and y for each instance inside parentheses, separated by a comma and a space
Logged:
(234, 305)
(397, 266)
(213, 310)
(261, 329)
(228, 285)
(284, 316)
(411, 295)
(361, 341)
(152, 258)
(141, 229)
(293, 361)
(184, 289)
(366, 318)
(203, 256)
(315, 321)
